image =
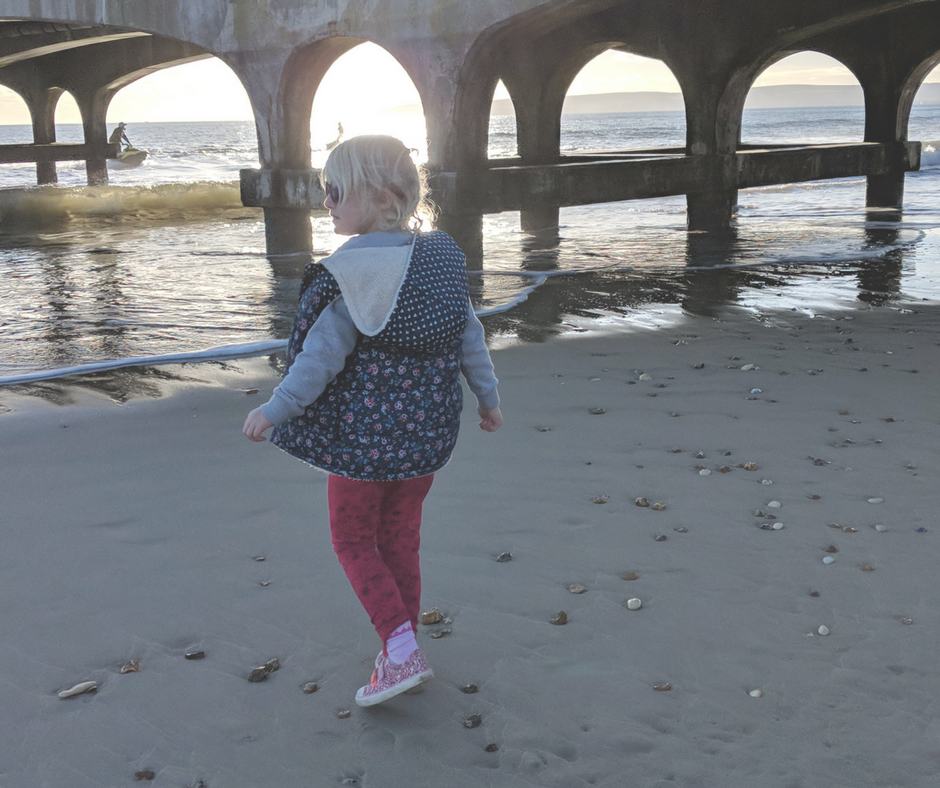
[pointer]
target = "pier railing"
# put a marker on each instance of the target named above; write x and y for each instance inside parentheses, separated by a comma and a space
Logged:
(509, 185)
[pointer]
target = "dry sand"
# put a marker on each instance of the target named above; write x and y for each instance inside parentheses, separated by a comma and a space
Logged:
(131, 532)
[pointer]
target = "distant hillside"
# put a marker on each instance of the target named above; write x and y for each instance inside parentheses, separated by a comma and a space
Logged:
(782, 96)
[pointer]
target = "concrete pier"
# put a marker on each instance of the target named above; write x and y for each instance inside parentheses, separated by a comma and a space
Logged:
(455, 53)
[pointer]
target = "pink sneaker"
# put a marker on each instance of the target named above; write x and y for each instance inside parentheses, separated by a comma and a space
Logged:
(390, 679)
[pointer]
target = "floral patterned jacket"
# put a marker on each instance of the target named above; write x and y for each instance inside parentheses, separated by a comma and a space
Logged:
(394, 410)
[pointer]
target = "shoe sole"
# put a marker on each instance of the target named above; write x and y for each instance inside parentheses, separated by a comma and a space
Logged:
(398, 689)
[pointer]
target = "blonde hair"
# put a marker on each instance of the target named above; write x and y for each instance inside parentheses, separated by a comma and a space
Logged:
(377, 164)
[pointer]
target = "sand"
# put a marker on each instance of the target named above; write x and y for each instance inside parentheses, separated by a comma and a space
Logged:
(131, 531)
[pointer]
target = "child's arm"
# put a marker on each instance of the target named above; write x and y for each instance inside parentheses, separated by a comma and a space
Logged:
(330, 340)
(477, 368)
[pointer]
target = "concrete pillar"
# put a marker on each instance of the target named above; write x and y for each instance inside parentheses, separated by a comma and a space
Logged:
(42, 104)
(93, 104)
(467, 231)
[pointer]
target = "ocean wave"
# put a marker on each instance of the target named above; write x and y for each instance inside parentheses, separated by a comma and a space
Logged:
(929, 155)
(213, 354)
(50, 205)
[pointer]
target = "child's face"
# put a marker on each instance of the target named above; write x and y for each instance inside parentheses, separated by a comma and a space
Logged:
(352, 215)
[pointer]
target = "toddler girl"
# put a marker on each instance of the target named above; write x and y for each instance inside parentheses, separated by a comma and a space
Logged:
(372, 394)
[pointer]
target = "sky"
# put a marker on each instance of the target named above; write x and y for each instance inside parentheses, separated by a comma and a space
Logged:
(209, 90)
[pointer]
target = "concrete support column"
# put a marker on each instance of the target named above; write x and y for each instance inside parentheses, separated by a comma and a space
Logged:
(93, 104)
(42, 104)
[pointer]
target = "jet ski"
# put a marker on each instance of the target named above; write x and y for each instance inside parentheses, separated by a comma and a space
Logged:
(129, 157)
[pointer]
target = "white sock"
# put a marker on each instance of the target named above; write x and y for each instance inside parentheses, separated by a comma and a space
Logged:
(401, 643)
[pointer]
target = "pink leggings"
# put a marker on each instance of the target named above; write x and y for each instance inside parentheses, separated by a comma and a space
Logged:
(375, 529)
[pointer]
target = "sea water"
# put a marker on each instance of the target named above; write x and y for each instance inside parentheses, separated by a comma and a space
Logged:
(165, 262)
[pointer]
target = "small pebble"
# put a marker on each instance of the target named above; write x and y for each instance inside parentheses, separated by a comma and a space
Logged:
(132, 667)
(602, 499)
(814, 593)
(259, 558)
(146, 774)
(559, 619)
(850, 530)
(867, 568)
(661, 538)
(642, 502)
(79, 689)
(881, 528)
(644, 376)
(310, 687)
(440, 633)
(705, 472)
(264, 583)
(504, 557)
(775, 504)
(756, 391)
(469, 689)
(749, 367)
(906, 620)
(634, 604)
(755, 693)
(750, 466)
(832, 549)
(699, 366)
(473, 721)
(829, 560)
(663, 686)
(577, 588)
(629, 576)
(491, 747)
(921, 530)
(725, 469)
(345, 714)
(195, 655)
(766, 481)
(822, 630)
(432, 616)
(777, 526)
(876, 500)
(681, 529)
(597, 411)
(658, 507)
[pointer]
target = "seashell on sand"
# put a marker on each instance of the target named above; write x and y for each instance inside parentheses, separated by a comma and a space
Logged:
(559, 619)
(663, 686)
(602, 499)
(432, 616)
(133, 666)
(644, 376)
(502, 558)
(597, 411)
(755, 693)
(766, 481)
(440, 633)
(634, 604)
(661, 538)
(345, 714)
(750, 466)
(823, 630)
(310, 687)
(658, 507)
(473, 721)
(469, 689)
(642, 502)
(906, 620)
(79, 689)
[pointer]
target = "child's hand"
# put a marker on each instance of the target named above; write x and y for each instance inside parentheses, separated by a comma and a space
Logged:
(255, 425)
(490, 420)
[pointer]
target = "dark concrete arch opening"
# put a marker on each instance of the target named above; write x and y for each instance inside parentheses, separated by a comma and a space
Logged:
(924, 122)
(824, 89)
(620, 100)
(365, 90)
(503, 139)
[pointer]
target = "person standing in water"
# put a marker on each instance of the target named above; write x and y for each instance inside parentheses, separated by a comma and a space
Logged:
(372, 394)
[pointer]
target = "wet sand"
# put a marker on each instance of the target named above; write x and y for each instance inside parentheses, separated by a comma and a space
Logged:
(132, 531)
